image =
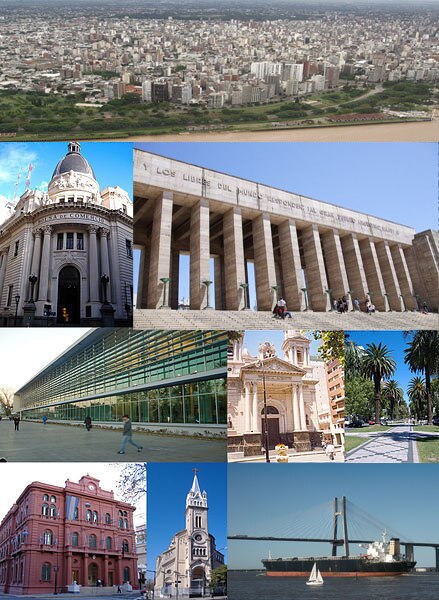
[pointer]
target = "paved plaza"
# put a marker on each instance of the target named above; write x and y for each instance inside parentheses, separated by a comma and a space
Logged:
(35, 442)
(395, 445)
(250, 319)
(293, 457)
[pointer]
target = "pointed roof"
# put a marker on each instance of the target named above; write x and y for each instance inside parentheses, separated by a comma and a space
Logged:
(195, 489)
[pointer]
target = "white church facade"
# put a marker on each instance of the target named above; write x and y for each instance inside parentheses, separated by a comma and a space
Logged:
(185, 568)
(66, 253)
(283, 400)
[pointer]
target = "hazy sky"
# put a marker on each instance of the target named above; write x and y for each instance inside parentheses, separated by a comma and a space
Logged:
(24, 352)
(15, 477)
(265, 499)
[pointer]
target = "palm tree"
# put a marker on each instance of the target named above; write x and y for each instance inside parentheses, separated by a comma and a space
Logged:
(416, 393)
(393, 393)
(422, 355)
(352, 357)
(377, 364)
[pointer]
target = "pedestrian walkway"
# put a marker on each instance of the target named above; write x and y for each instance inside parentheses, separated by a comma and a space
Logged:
(312, 456)
(36, 442)
(249, 319)
(396, 445)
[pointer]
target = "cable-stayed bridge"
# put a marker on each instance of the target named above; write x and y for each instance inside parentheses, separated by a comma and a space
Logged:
(338, 523)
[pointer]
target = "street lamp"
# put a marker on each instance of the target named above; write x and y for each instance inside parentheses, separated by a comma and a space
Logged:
(244, 291)
(305, 296)
(32, 280)
(259, 363)
(17, 300)
(165, 281)
(207, 283)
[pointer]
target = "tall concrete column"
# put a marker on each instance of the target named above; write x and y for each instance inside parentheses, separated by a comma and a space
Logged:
(44, 269)
(94, 277)
(220, 291)
(247, 409)
(36, 254)
(389, 275)
(296, 409)
(354, 266)
(403, 275)
(105, 262)
(85, 570)
(291, 265)
(302, 409)
(3, 261)
(338, 279)
(255, 416)
(200, 254)
(316, 281)
(160, 255)
(234, 264)
(373, 275)
(265, 272)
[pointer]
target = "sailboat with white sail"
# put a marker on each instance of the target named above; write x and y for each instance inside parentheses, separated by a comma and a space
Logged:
(316, 577)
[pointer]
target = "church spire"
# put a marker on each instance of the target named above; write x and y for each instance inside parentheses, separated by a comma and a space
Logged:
(195, 496)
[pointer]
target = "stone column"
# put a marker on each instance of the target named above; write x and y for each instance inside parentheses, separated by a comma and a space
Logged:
(36, 258)
(265, 273)
(44, 269)
(316, 281)
(354, 266)
(160, 255)
(85, 570)
(403, 275)
(106, 569)
(247, 409)
(68, 576)
(234, 263)
(105, 262)
(220, 302)
(295, 355)
(291, 265)
(255, 416)
(94, 277)
(390, 278)
(4, 260)
(142, 281)
(296, 410)
(373, 274)
(302, 409)
(200, 254)
(338, 279)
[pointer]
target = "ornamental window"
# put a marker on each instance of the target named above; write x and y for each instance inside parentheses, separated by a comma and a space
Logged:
(45, 510)
(48, 537)
(75, 539)
(45, 571)
(92, 541)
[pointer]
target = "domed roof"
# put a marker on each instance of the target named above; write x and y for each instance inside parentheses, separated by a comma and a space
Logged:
(73, 161)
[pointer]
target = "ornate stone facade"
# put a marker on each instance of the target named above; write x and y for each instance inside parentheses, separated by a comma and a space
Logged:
(75, 242)
(294, 390)
(186, 566)
(53, 537)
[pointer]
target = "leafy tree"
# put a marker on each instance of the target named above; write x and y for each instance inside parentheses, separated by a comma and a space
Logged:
(392, 392)
(359, 397)
(422, 356)
(6, 400)
(332, 345)
(377, 365)
(132, 481)
(219, 577)
(416, 393)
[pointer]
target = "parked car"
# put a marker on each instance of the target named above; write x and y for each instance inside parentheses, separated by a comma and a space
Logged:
(436, 420)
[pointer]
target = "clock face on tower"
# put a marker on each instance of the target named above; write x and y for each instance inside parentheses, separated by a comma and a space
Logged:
(198, 537)
(91, 487)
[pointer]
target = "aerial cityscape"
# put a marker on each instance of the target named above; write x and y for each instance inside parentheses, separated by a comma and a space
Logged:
(160, 69)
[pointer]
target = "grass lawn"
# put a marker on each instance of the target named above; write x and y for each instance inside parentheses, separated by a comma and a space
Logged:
(426, 428)
(367, 429)
(428, 450)
(352, 442)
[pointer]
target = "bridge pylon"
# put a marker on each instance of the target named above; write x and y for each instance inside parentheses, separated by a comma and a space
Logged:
(340, 514)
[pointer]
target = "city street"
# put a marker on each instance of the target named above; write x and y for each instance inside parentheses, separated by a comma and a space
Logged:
(397, 445)
(36, 442)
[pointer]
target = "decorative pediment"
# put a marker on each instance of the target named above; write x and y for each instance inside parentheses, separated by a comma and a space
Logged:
(270, 365)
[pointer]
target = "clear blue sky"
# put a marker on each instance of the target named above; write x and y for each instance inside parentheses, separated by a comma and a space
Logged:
(168, 485)
(395, 181)
(264, 499)
(112, 163)
(396, 343)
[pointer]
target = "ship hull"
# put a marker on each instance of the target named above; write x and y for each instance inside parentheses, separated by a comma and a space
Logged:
(336, 567)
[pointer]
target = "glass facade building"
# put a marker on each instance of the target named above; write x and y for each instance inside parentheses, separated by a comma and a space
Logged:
(157, 377)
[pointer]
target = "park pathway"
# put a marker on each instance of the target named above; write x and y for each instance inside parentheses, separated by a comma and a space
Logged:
(397, 445)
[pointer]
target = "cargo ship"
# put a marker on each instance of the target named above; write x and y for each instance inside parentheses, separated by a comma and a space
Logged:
(382, 558)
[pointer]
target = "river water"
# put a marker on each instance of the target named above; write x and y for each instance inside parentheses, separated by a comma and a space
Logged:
(254, 585)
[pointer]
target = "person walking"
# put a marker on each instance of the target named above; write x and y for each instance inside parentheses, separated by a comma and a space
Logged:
(87, 422)
(16, 423)
(44, 419)
(127, 436)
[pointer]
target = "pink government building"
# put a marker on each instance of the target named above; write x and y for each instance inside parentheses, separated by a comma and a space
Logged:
(53, 537)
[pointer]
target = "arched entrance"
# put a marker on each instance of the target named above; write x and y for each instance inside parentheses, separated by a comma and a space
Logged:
(92, 573)
(198, 582)
(69, 296)
(272, 426)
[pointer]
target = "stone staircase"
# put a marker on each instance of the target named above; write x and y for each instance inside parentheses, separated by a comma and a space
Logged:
(249, 319)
